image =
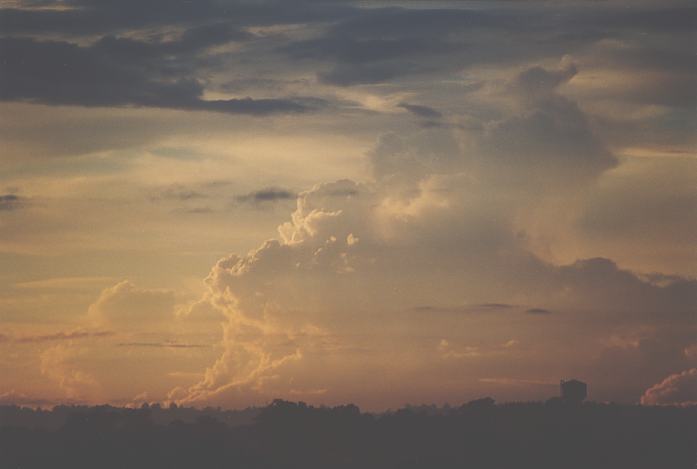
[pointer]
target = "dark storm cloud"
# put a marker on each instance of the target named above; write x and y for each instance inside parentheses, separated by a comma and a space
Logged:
(553, 136)
(114, 72)
(671, 68)
(382, 44)
(270, 194)
(119, 71)
(349, 44)
(10, 202)
(421, 111)
(601, 281)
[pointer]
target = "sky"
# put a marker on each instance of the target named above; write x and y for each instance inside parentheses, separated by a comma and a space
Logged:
(223, 202)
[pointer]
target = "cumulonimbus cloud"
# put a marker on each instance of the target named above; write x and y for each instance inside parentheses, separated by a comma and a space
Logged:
(356, 259)
(676, 389)
(352, 264)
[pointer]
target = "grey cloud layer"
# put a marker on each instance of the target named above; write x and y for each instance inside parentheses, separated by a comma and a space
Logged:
(169, 66)
(86, 17)
(384, 44)
(115, 72)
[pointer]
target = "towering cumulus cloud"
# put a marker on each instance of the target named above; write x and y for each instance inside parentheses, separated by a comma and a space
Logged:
(124, 303)
(409, 262)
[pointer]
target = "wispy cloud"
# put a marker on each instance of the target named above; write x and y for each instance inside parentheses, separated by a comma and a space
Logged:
(64, 282)
(518, 382)
(538, 311)
(58, 336)
(476, 308)
(161, 345)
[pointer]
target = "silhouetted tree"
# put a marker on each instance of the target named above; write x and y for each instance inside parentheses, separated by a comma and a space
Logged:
(478, 434)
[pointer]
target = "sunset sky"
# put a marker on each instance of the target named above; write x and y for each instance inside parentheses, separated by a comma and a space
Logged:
(222, 202)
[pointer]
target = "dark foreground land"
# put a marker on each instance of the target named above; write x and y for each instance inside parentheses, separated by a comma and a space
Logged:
(477, 435)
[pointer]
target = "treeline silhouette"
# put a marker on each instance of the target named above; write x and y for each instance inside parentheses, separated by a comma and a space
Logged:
(479, 434)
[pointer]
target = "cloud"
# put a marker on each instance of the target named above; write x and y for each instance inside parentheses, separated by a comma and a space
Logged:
(453, 219)
(539, 83)
(64, 283)
(676, 389)
(198, 210)
(13, 397)
(480, 308)
(519, 382)
(117, 72)
(638, 357)
(539, 311)
(281, 298)
(342, 43)
(388, 44)
(600, 281)
(691, 351)
(436, 227)
(175, 345)
(59, 336)
(550, 142)
(270, 194)
(616, 217)
(511, 343)
(421, 111)
(126, 306)
(10, 202)
(495, 306)
(403, 159)
(447, 350)
(542, 143)
(83, 17)
(203, 310)
(181, 193)
(62, 364)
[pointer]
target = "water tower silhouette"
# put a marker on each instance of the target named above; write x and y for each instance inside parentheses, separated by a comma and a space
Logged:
(573, 391)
